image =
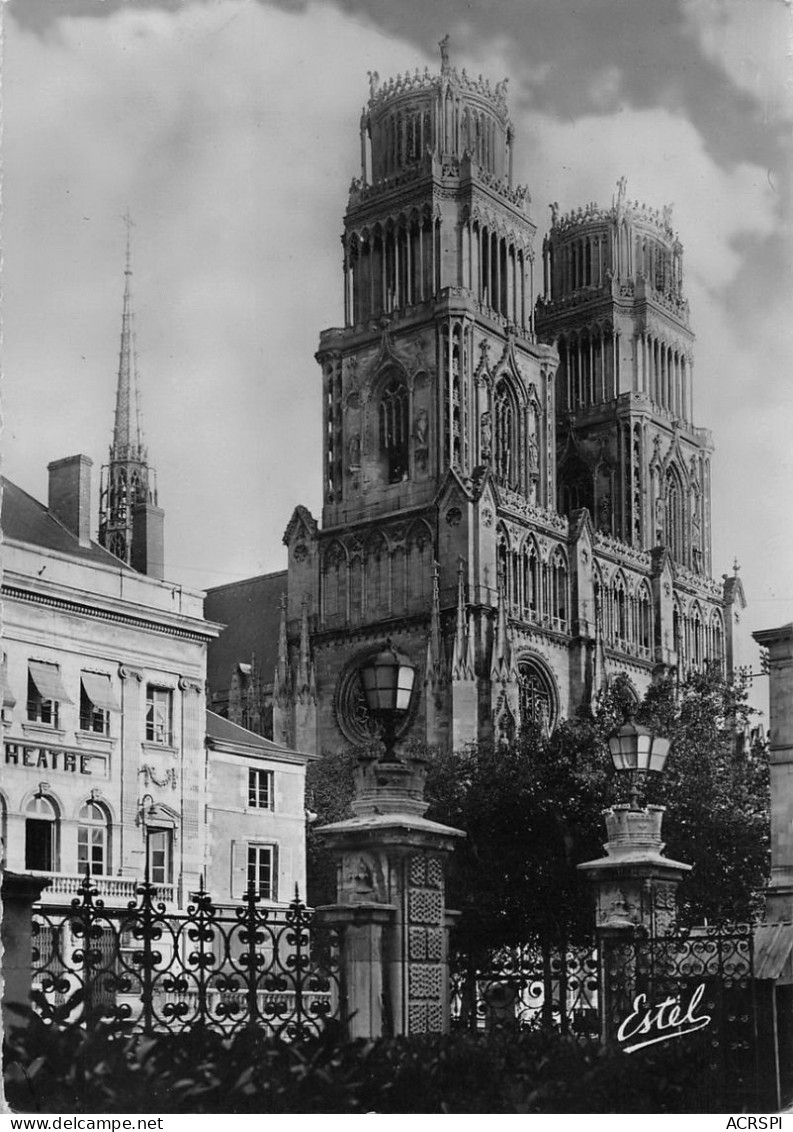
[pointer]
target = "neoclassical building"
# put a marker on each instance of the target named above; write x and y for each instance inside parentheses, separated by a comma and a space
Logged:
(514, 491)
(110, 758)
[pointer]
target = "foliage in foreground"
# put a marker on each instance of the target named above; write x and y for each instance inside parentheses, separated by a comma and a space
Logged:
(51, 1069)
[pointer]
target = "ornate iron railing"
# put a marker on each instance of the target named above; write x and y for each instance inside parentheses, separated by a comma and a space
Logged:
(706, 974)
(527, 985)
(150, 970)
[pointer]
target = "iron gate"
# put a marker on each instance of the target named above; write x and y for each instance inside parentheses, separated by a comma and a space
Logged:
(527, 985)
(696, 985)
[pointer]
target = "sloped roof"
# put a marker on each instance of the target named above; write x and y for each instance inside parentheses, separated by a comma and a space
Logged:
(250, 611)
(26, 520)
(223, 730)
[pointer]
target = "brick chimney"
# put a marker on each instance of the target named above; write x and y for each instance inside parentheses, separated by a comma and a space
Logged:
(70, 495)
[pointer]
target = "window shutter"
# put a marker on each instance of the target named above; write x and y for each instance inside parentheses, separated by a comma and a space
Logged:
(238, 885)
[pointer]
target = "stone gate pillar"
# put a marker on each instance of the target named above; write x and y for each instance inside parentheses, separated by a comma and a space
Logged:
(19, 894)
(635, 893)
(391, 903)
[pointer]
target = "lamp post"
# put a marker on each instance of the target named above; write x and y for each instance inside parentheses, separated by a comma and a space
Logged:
(387, 680)
(636, 751)
(635, 884)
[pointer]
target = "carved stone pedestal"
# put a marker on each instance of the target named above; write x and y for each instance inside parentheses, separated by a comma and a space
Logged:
(635, 893)
(391, 903)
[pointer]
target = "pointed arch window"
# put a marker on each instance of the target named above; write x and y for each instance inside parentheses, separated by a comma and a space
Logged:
(559, 601)
(335, 581)
(645, 622)
(394, 431)
(697, 638)
(419, 563)
(531, 580)
(621, 619)
(674, 514)
(507, 437)
(377, 566)
(537, 699)
(93, 840)
(717, 639)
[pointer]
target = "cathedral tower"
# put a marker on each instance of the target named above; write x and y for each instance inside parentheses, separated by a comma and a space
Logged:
(628, 449)
(521, 511)
(130, 522)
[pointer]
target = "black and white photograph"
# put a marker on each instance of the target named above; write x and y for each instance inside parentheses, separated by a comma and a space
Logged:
(397, 559)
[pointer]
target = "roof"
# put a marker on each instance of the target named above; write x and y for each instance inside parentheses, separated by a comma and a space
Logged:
(223, 731)
(250, 611)
(26, 520)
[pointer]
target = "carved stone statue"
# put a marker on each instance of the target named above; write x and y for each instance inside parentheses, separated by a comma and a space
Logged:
(486, 434)
(354, 450)
(421, 430)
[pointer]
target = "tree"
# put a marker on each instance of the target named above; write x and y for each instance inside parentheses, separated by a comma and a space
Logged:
(716, 792)
(533, 811)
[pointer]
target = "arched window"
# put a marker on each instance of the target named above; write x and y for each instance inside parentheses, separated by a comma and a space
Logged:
(334, 581)
(597, 595)
(420, 554)
(93, 840)
(717, 638)
(674, 515)
(531, 580)
(502, 564)
(377, 578)
(506, 447)
(42, 829)
(621, 633)
(697, 635)
(558, 590)
(645, 621)
(537, 695)
(394, 431)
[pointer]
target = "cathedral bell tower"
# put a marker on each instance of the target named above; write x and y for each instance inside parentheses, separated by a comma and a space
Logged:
(130, 522)
(628, 449)
(522, 511)
(437, 403)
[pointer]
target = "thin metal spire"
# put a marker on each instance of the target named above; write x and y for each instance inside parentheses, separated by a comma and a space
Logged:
(127, 479)
(127, 437)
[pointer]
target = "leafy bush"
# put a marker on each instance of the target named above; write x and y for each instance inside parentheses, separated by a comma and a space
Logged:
(51, 1069)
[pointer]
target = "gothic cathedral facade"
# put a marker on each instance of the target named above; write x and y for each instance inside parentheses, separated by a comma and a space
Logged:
(515, 493)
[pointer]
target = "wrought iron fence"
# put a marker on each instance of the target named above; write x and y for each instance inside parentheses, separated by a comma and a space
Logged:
(706, 974)
(527, 985)
(150, 970)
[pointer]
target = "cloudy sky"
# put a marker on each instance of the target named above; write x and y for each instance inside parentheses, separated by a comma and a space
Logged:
(229, 128)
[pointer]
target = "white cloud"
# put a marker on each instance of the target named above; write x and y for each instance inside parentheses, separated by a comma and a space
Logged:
(751, 41)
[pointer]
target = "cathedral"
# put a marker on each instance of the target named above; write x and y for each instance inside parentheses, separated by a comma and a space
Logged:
(515, 493)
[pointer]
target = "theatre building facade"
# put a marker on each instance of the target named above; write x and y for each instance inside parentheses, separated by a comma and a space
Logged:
(111, 764)
(104, 705)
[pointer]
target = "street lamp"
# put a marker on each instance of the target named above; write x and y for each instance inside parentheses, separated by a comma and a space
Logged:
(387, 680)
(636, 751)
